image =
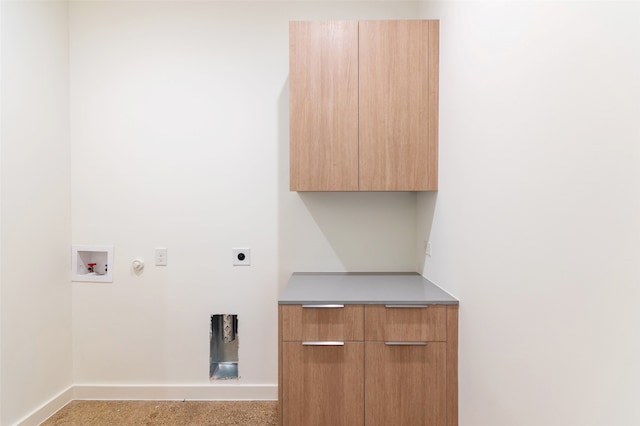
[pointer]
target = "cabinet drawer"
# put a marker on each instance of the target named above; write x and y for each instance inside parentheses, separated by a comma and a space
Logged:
(322, 322)
(426, 323)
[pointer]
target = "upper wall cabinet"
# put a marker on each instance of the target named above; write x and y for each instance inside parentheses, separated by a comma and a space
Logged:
(363, 105)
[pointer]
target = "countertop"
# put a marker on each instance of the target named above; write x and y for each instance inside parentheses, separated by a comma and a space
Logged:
(363, 288)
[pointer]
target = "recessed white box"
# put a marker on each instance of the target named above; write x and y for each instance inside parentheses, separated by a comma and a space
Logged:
(92, 263)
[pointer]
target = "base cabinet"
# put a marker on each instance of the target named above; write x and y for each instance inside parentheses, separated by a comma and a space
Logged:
(323, 383)
(405, 384)
(376, 365)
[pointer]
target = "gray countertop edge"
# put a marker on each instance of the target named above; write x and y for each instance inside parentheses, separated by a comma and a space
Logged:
(359, 288)
(367, 302)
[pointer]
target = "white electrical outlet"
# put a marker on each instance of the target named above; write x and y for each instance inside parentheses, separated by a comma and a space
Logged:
(241, 256)
(161, 256)
(427, 248)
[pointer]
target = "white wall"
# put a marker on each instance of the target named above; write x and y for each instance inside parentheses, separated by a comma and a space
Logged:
(35, 206)
(536, 226)
(179, 138)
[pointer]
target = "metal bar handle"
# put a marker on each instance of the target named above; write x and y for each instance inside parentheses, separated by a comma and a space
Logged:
(323, 306)
(406, 306)
(405, 343)
(322, 343)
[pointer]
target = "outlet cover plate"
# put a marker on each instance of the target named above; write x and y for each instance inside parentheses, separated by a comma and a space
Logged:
(241, 256)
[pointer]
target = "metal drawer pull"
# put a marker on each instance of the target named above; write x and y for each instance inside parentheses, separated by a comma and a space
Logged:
(323, 306)
(405, 343)
(325, 343)
(406, 306)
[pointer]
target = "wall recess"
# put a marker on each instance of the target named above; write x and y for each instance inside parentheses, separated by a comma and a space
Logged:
(92, 263)
(224, 343)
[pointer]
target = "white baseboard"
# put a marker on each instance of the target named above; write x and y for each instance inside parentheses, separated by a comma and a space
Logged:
(47, 409)
(213, 392)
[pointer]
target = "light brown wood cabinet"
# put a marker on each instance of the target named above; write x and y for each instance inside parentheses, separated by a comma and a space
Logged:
(363, 105)
(368, 365)
(324, 384)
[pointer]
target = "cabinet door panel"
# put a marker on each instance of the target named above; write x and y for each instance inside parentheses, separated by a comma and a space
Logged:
(323, 385)
(398, 110)
(405, 385)
(300, 323)
(323, 106)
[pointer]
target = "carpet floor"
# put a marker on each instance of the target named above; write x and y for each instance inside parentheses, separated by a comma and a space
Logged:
(166, 413)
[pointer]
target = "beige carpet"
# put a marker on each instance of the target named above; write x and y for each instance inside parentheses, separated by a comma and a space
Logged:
(165, 413)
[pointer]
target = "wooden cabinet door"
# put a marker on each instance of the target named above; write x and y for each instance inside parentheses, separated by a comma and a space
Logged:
(398, 110)
(323, 385)
(323, 106)
(406, 385)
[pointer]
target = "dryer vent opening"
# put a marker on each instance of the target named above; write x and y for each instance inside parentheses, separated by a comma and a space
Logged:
(223, 357)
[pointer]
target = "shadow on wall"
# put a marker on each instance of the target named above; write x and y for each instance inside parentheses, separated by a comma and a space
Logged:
(367, 231)
(425, 211)
(285, 268)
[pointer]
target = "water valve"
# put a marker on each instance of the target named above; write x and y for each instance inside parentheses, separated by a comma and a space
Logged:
(138, 265)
